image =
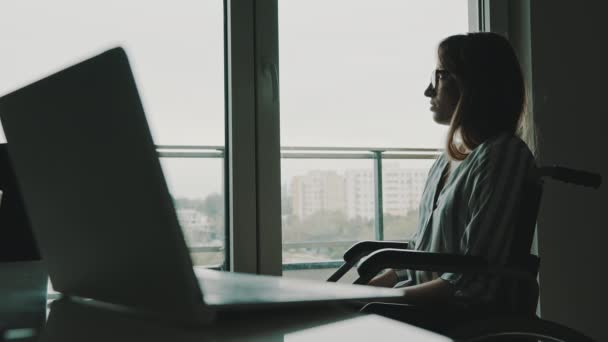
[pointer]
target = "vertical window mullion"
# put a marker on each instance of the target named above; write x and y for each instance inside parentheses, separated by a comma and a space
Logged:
(268, 154)
(494, 16)
(378, 199)
(253, 146)
(241, 136)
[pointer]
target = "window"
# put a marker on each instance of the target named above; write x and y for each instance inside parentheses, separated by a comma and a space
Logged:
(352, 79)
(176, 50)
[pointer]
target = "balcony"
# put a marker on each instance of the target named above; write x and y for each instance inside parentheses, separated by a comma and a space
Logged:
(344, 194)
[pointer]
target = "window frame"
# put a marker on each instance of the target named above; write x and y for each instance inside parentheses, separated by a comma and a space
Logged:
(253, 155)
(252, 131)
(252, 161)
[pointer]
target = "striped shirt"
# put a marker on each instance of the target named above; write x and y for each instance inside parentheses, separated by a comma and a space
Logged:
(474, 214)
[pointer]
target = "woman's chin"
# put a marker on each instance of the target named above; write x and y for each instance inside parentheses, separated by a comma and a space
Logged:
(440, 119)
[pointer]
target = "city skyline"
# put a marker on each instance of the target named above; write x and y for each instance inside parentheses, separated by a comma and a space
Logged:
(353, 192)
(349, 194)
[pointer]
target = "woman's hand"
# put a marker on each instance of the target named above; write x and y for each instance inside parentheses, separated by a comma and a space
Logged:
(385, 279)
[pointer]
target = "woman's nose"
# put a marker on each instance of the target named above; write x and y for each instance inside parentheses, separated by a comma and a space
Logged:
(429, 91)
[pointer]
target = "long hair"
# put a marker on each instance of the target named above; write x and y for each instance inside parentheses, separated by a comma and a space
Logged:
(492, 90)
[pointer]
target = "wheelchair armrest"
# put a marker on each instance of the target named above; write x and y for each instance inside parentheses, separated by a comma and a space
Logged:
(439, 262)
(361, 249)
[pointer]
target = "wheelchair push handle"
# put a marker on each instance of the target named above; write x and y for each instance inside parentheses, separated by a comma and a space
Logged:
(573, 176)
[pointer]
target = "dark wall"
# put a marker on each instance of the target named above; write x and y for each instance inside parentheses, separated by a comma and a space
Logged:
(570, 85)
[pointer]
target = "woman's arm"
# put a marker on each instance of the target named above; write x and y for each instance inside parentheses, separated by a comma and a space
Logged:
(436, 290)
(432, 291)
(385, 279)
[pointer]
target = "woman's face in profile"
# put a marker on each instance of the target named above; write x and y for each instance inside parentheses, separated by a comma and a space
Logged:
(444, 94)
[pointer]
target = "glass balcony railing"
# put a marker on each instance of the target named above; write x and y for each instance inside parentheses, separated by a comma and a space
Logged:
(195, 178)
(332, 197)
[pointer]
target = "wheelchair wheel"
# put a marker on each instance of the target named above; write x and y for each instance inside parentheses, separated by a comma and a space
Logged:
(516, 329)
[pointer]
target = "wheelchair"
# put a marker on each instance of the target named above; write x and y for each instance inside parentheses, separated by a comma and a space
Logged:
(514, 318)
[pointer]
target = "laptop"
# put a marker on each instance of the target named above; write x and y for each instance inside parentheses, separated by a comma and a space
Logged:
(24, 278)
(101, 210)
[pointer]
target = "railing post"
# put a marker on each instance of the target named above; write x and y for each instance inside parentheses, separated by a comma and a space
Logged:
(378, 214)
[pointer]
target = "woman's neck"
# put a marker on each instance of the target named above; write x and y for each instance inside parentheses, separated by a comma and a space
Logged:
(453, 164)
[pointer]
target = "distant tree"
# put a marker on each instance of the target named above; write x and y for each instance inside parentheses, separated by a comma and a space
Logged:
(326, 226)
(186, 203)
(212, 207)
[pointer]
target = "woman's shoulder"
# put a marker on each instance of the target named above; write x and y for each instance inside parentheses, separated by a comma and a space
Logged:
(439, 162)
(501, 149)
(504, 143)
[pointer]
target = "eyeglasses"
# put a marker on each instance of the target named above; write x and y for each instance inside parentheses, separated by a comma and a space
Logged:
(438, 74)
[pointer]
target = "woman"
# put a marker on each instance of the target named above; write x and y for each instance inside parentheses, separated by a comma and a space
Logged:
(470, 201)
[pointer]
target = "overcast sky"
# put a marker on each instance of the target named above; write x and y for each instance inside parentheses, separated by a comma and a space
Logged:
(352, 72)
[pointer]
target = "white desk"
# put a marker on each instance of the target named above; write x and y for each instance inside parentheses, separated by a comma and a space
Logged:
(69, 321)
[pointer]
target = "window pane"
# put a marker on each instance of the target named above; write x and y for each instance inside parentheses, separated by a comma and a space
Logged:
(199, 202)
(365, 63)
(326, 207)
(175, 49)
(353, 74)
(402, 185)
(196, 187)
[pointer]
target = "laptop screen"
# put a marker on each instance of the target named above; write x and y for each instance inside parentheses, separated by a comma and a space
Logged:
(94, 189)
(16, 238)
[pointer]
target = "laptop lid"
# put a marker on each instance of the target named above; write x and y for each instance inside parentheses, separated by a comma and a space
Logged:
(17, 241)
(94, 188)
(24, 277)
